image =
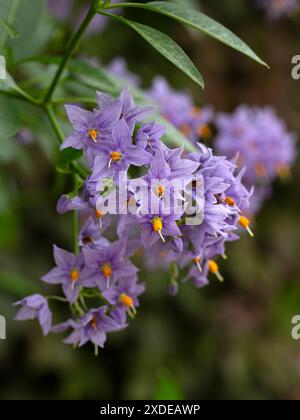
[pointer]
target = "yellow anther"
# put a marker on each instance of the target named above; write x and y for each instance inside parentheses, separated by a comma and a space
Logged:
(93, 135)
(214, 269)
(93, 322)
(157, 225)
(126, 300)
(245, 223)
(160, 190)
(107, 272)
(196, 261)
(74, 276)
(230, 201)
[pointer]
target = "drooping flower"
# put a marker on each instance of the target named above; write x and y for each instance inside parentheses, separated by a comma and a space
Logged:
(149, 136)
(124, 297)
(93, 327)
(35, 306)
(68, 272)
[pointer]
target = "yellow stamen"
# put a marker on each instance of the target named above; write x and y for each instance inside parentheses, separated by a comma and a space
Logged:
(160, 190)
(99, 214)
(214, 268)
(157, 225)
(107, 272)
(126, 300)
(230, 201)
(245, 223)
(74, 276)
(87, 240)
(93, 134)
(114, 157)
(197, 260)
(204, 131)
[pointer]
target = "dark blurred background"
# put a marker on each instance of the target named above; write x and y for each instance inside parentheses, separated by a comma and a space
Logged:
(230, 341)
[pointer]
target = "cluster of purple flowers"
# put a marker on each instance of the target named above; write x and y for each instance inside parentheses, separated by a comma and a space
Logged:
(262, 144)
(161, 214)
(276, 9)
(178, 108)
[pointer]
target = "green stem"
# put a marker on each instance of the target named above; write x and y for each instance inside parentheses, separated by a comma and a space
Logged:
(11, 17)
(60, 137)
(70, 50)
(75, 222)
(74, 99)
(58, 298)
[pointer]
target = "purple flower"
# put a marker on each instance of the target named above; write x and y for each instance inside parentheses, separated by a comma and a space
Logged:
(129, 111)
(118, 67)
(35, 306)
(179, 109)
(68, 272)
(107, 264)
(261, 141)
(91, 128)
(119, 153)
(124, 297)
(93, 327)
(149, 136)
(91, 234)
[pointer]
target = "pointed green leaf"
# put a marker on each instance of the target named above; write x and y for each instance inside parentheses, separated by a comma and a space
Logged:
(167, 47)
(200, 22)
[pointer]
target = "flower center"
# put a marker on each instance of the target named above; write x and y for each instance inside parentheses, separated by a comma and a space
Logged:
(196, 261)
(126, 300)
(160, 189)
(157, 225)
(107, 270)
(93, 135)
(74, 275)
(185, 129)
(87, 240)
(115, 156)
(93, 322)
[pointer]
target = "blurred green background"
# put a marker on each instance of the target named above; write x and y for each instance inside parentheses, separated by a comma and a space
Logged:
(230, 341)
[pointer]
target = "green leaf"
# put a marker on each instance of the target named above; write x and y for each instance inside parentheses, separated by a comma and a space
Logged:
(200, 22)
(10, 122)
(67, 156)
(167, 47)
(9, 28)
